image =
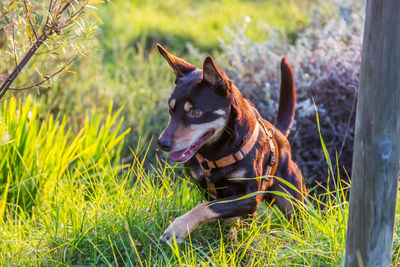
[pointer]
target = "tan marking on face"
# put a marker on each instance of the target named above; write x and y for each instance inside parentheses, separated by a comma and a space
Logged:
(187, 106)
(171, 103)
(185, 224)
(219, 112)
(187, 136)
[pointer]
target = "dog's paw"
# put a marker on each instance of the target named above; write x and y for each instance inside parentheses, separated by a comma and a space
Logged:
(179, 229)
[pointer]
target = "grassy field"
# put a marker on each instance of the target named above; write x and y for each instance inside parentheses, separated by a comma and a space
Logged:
(85, 208)
(81, 184)
(176, 23)
(82, 209)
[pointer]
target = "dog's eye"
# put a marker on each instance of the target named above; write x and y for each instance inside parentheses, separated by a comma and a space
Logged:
(195, 113)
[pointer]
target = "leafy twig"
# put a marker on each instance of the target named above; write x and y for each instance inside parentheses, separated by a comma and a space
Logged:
(6, 84)
(47, 78)
(48, 30)
(29, 20)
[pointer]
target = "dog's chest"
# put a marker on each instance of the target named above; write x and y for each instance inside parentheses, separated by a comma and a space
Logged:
(196, 172)
(220, 175)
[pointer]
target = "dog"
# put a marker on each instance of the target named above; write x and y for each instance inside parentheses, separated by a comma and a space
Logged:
(221, 138)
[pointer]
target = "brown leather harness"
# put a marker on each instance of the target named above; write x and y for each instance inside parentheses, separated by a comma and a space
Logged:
(207, 165)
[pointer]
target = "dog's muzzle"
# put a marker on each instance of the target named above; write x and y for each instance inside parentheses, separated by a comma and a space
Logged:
(165, 143)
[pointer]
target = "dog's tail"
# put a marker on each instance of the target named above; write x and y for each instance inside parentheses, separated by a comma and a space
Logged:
(287, 99)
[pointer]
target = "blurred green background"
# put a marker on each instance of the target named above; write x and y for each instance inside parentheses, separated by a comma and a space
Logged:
(201, 23)
(125, 68)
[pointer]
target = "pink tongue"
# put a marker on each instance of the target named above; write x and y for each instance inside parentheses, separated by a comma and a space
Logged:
(178, 156)
(185, 154)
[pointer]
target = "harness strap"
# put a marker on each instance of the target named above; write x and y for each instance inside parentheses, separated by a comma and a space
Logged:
(211, 188)
(208, 165)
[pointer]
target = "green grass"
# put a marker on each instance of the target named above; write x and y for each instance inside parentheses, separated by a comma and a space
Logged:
(81, 207)
(177, 22)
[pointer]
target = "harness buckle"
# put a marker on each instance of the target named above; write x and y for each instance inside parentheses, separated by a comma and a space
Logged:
(270, 132)
(205, 168)
(204, 165)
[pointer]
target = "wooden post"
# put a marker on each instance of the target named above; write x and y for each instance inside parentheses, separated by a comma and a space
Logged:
(377, 140)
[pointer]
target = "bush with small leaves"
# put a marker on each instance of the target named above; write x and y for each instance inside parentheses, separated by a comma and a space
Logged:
(326, 59)
(41, 39)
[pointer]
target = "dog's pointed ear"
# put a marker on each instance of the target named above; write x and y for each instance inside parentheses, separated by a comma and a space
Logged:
(216, 77)
(180, 66)
(211, 73)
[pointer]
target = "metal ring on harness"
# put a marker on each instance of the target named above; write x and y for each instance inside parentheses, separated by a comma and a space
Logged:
(272, 130)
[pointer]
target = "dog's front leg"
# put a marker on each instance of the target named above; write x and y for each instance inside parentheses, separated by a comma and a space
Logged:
(202, 213)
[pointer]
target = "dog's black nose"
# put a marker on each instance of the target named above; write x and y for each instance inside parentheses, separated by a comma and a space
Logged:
(165, 144)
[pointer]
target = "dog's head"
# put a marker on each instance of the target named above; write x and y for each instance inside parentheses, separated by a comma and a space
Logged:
(199, 107)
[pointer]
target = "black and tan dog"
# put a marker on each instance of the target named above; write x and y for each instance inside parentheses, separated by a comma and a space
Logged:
(220, 137)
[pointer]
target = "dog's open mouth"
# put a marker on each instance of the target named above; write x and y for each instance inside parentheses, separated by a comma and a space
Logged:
(187, 153)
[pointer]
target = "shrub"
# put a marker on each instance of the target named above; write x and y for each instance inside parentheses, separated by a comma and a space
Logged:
(38, 35)
(326, 59)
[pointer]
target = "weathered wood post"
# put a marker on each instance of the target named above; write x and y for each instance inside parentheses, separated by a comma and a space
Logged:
(377, 140)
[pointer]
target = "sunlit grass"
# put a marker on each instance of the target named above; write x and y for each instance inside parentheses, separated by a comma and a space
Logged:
(176, 22)
(97, 213)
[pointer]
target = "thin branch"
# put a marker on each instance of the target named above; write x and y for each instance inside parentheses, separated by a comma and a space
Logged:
(57, 47)
(29, 20)
(55, 26)
(49, 50)
(48, 15)
(6, 84)
(52, 27)
(13, 44)
(47, 78)
(61, 8)
(77, 13)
